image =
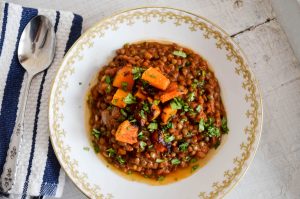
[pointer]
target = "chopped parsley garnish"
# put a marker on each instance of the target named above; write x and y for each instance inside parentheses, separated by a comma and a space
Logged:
(183, 146)
(120, 160)
(129, 99)
(111, 152)
(169, 138)
(142, 145)
(160, 178)
(123, 112)
(142, 114)
(141, 135)
(191, 97)
(156, 102)
(178, 103)
(159, 160)
(96, 147)
(175, 161)
(187, 158)
(201, 126)
(146, 107)
(124, 86)
(198, 108)
(224, 125)
(193, 160)
(179, 53)
(197, 84)
(86, 148)
(167, 126)
(213, 131)
(189, 134)
(108, 88)
(195, 167)
(96, 133)
(137, 72)
(107, 79)
(217, 144)
(187, 63)
(183, 120)
(152, 126)
(203, 73)
(132, 120)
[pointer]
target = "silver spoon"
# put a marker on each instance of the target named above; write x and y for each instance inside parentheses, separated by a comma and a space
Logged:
(35, 53)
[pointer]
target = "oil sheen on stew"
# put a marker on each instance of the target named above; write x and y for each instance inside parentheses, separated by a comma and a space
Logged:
(155, 112)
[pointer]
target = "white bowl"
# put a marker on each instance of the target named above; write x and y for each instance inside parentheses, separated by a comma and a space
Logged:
(93, 49)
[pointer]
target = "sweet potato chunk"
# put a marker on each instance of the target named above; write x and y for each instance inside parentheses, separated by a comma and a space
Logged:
(155, 111)
(140, 95)
(118, 98)
(167, 113)
(124, 79)
(171, 92)
(155, 78)
(127, 133)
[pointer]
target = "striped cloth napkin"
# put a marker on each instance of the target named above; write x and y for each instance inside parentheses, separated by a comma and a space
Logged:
(39, 173)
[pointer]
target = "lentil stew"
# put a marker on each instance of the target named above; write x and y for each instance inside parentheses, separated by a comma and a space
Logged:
(155, 109)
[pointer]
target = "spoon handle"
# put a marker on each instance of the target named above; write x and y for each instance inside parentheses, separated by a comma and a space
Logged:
(12, 158)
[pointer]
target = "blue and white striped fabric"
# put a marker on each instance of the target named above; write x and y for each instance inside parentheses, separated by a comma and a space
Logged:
(39, 173)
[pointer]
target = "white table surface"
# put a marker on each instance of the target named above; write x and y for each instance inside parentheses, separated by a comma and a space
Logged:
(275, 171)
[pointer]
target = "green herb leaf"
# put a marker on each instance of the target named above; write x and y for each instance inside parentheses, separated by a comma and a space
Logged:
(160, 178)
(195, 167)
(224, 125)
(142, 145)
(201, 126)
(124, 86)
(187, 63)
(111, 152)
(178, 103)
(198, 108)
(183, 120)
(129, 99)
(142, 114)
(156, 102)
(96, 147)
(217, 144)
(183, 146)
(107, 79)
(203, 73)
(137, 72)
(187, 158)
(193, 160)
(123, 112)
(191, 96)
(141, 135)
(175, 161)
(86, 148)
(120, 160)
(213, 131)
(169, 138)
(159, 160)
(96, 133)
(179, 53)
(197, 84)
(146, 107)
(108, 88)
(152, 126)
(167, 126)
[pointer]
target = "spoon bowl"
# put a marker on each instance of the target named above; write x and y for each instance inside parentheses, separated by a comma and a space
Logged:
(37, 36)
